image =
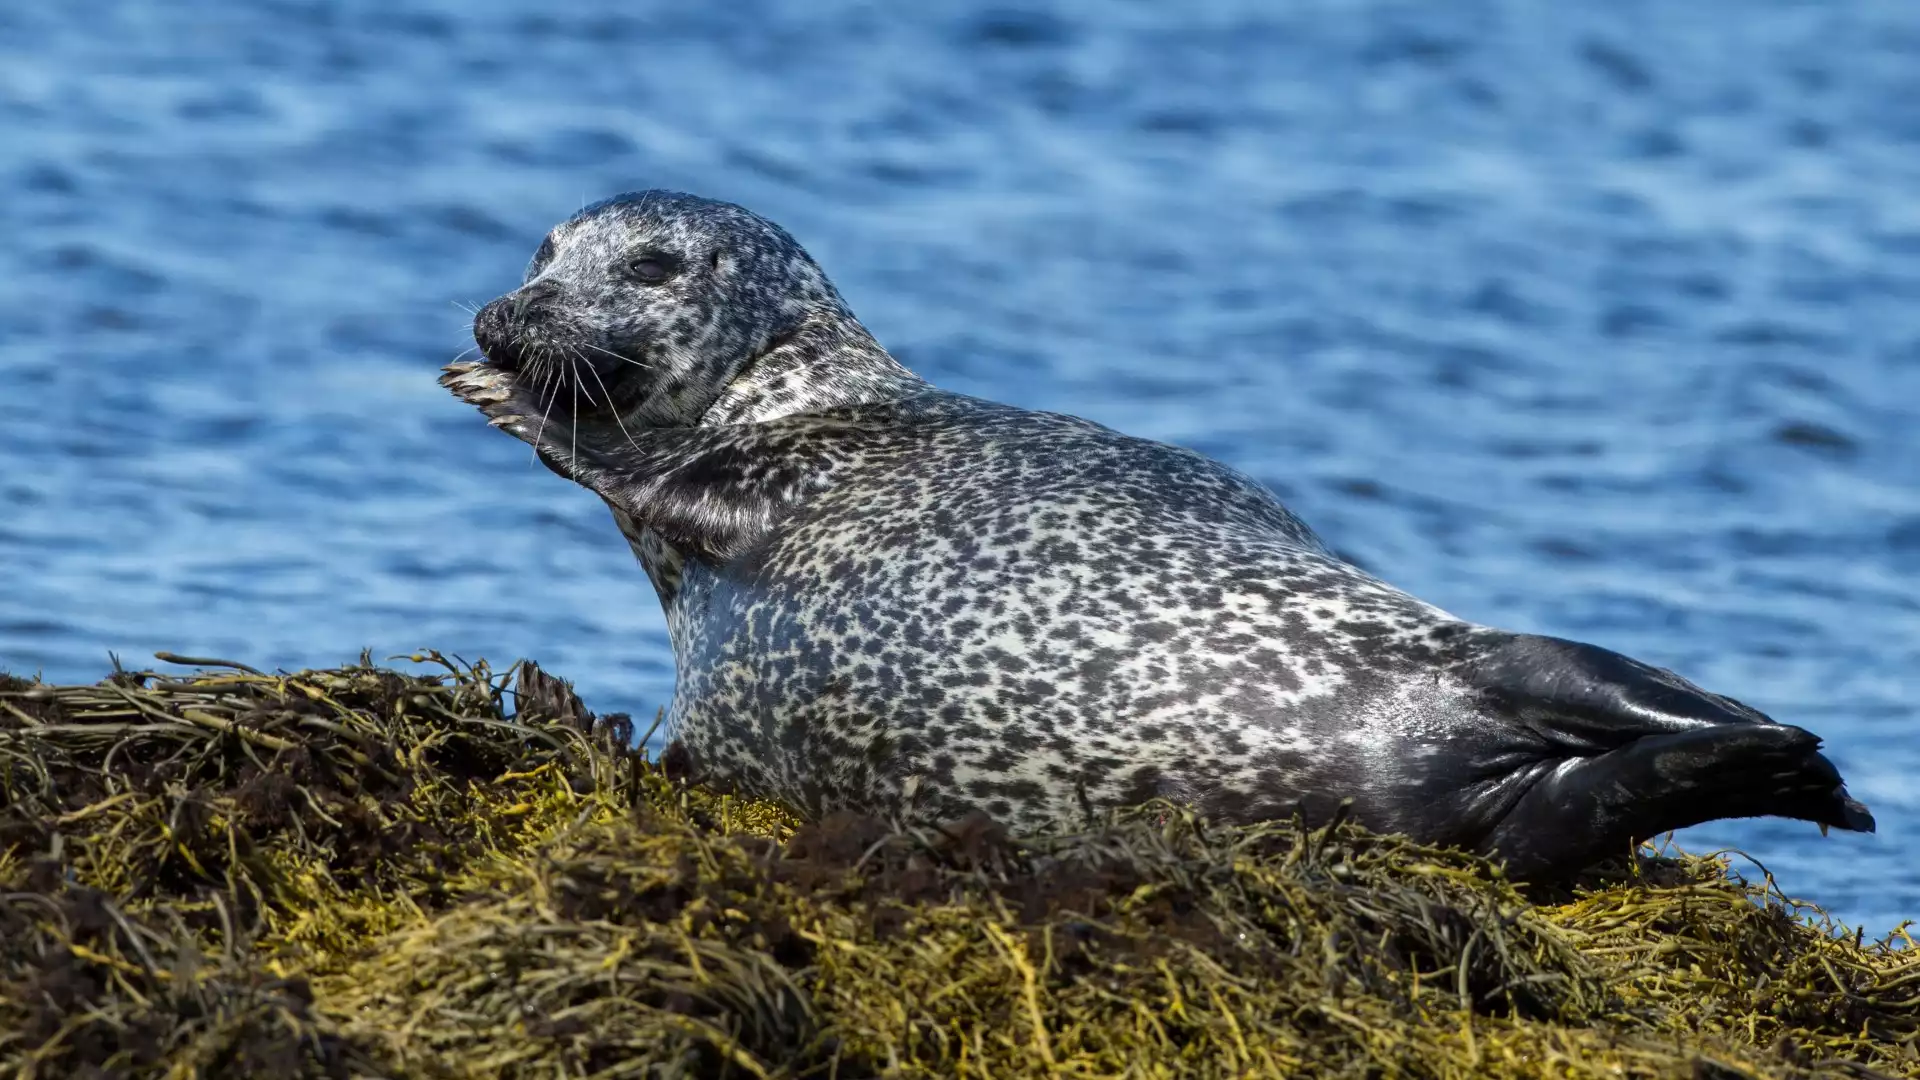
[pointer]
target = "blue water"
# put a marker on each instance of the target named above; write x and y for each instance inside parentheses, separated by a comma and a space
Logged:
(1596, 320)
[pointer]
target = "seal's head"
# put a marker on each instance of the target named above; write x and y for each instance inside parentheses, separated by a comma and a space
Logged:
(648, 305)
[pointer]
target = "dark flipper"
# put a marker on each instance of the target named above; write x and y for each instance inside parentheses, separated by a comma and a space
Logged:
(1633, 751)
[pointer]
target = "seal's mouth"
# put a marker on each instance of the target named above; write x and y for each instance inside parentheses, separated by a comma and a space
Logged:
(567, 375)
(540, 383)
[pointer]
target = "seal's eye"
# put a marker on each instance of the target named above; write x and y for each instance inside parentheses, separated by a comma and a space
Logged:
(540, 258)
(653, 268)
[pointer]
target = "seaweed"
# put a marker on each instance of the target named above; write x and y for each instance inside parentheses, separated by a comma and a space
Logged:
(457, 872)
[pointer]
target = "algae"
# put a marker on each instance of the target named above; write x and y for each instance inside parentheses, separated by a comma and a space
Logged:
(466, 873)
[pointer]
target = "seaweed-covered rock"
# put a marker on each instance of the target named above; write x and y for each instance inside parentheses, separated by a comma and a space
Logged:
(360, 872)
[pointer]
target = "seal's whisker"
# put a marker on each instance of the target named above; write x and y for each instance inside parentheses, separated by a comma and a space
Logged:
(612, 408)
(529, 368)
(546, 406)
(573, 369)
(550, 371)
(532, 375)
(543, 363)
(617, 356)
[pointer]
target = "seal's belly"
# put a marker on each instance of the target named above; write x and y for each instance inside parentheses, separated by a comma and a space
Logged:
(1076, 660)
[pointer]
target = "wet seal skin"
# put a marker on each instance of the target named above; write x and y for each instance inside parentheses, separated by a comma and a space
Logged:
(888, 598)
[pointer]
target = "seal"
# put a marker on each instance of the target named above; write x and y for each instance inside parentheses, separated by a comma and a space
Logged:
(890, 598)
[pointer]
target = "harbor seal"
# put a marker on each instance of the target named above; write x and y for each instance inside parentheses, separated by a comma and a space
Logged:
(886, 597)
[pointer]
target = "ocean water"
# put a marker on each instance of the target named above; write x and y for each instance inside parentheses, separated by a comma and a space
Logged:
(1593, 320)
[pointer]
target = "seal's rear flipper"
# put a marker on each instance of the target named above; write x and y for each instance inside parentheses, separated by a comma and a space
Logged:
(1627, 751)
(1590, 807)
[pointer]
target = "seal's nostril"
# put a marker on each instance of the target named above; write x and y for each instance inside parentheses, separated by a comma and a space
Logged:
(533, 296)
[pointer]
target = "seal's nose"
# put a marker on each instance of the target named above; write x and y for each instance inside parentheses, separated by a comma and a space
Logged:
(499, 330)
(501, 327)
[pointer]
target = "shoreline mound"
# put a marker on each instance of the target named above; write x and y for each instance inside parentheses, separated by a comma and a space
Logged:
(466, 873)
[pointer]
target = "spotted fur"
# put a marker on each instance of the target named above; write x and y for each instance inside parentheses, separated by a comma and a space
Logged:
(889, 597)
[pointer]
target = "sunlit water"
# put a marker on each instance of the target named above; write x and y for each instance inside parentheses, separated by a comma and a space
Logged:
(1593, 320)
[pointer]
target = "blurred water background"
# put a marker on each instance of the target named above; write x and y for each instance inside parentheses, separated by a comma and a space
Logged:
(1596, 320)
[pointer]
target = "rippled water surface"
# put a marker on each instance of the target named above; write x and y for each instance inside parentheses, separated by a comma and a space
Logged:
(1593, 320)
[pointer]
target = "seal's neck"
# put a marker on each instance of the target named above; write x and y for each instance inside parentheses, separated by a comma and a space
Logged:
(829, 360)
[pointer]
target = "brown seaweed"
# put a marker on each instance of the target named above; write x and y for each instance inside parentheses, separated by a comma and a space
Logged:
(463, 873)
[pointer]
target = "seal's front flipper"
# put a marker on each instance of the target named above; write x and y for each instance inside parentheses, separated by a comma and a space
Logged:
(1631, 751)
(559, 440)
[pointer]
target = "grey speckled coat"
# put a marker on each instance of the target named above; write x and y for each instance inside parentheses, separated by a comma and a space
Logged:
(892, 598)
